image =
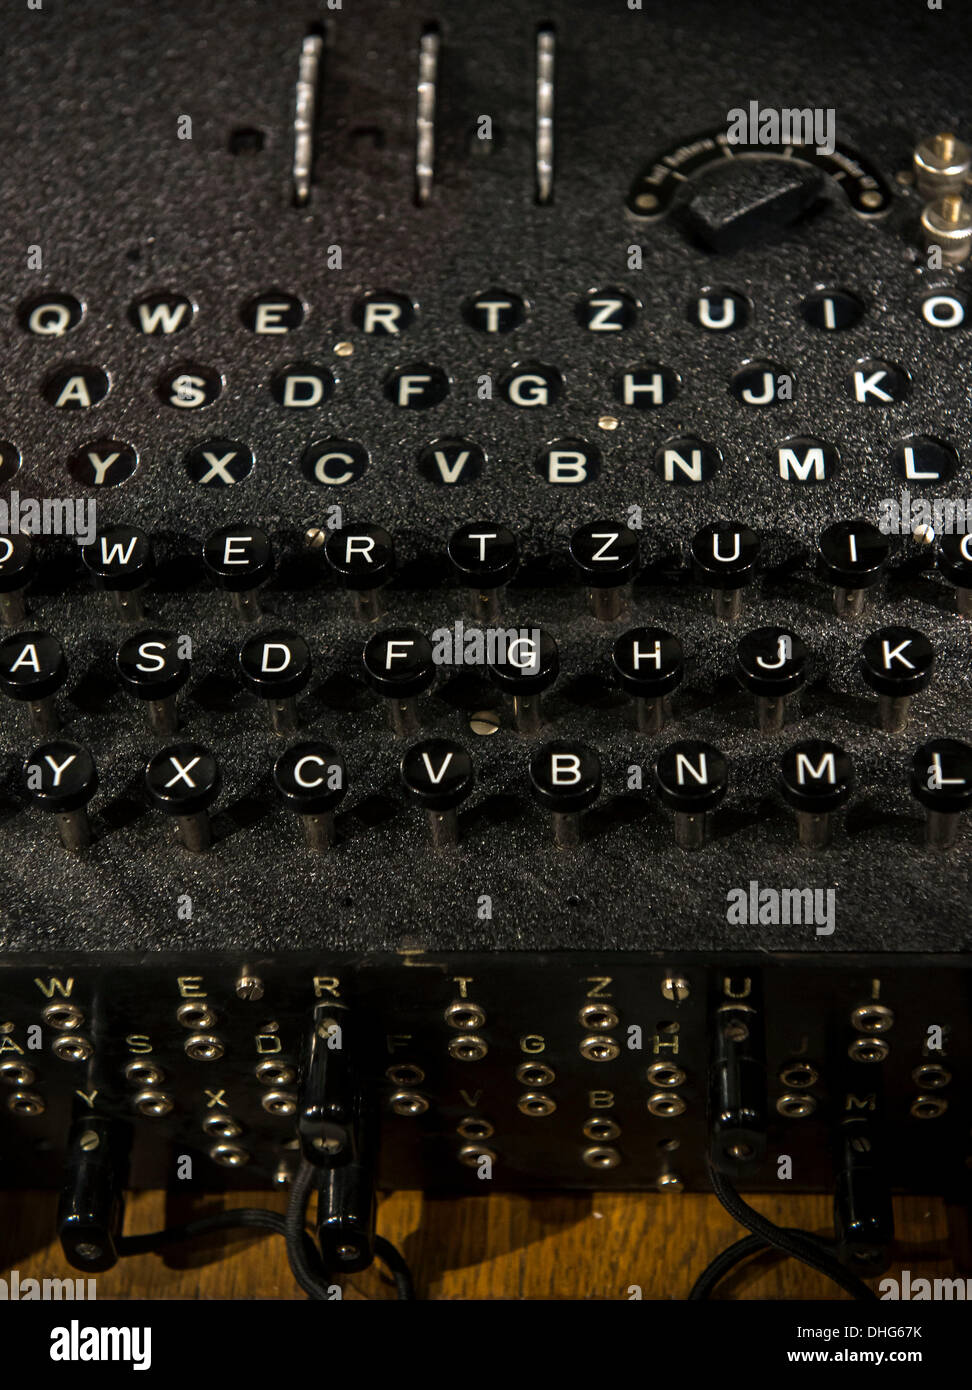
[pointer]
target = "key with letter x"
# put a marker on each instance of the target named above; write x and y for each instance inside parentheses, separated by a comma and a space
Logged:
(184, 780)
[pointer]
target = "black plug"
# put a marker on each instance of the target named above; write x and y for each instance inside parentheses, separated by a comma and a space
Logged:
(91, 1206)
(737, 1086)
(863, 1214)
(337, 1128)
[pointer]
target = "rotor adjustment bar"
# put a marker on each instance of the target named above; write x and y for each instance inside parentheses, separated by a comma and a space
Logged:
(305, 105)
(544, 139)
(426, 97)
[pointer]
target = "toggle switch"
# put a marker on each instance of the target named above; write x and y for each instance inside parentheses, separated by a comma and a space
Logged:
(525, 668)
(276, 666)
(484, 557)
(311, 779)
(852, 559)
(724, 559)
(691, 779)
(240, 559)
(32, 670)
(61, 779)
(398, 666)
(151, 667)
(896, 662)
(606, 557)
(649, 664)
(816, 779)
(16, 571)
(184, 781)
(955, 563)
(119, 561)
(438, 776)
(565, 778)
(941, 779)
(771, 663)
(363, 558)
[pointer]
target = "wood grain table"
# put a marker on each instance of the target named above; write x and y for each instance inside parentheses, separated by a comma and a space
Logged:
(504, 1246)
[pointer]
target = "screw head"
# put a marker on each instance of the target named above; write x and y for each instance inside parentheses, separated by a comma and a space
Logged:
(675, 987)
(249, 987)
(670, 1182)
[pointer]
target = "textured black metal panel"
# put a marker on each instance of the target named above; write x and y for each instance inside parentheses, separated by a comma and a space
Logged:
(95, 175)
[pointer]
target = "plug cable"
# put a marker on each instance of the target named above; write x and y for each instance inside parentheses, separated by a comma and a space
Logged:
(789, 1241)
(302, 1254)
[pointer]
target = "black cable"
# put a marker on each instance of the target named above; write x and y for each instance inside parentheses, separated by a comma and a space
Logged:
(310, 1279)
(255, 1217)
(801, 1245)
(733, 1255)
(398, 1269)
(258, 1218)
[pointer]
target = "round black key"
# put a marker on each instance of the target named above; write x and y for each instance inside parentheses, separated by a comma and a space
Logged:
(771, 661)
(853, 554)
(605, 554)
(239, 558)
(923, 459)
(311, 778)
(398, 662)
(483, 555)
(419, 386)
(363, 557)
(50, 315)
(527, 665)
(897, 661)
(183, 779)
(691, 777)
(32, 666)
(531, 385)
(941, 775)
(494, 311)
(565, 776)
(437, 774)
(955, 559)
(607, 311)
(150, 664)
(275, 665)
(816, 777)
(272, 312)
(832, 310)
(16, 562)
(60, 776)
(119, 558)
(648, 662)
(724, 554)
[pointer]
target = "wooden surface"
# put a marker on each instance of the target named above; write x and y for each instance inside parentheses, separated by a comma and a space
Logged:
(502, 1246)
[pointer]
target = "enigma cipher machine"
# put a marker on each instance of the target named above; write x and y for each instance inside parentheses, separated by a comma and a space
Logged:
(486, 568)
